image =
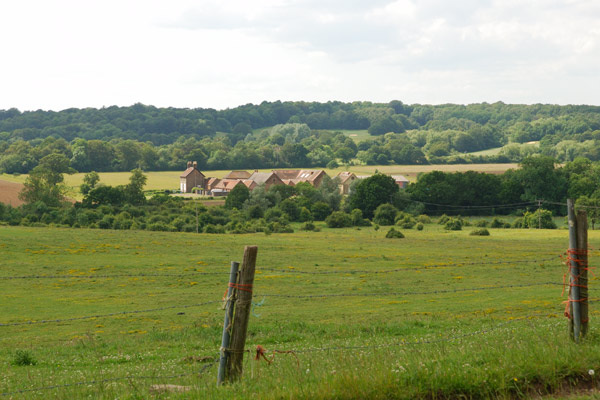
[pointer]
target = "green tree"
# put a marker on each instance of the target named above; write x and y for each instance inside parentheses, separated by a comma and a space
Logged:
(369, 193)
(134, 190)
(90, 180)
(237, 197)
(45, 182)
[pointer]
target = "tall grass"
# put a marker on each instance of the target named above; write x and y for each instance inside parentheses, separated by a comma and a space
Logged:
(435, 327)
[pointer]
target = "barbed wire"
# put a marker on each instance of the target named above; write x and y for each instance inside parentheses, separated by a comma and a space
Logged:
(108, 276)
(388, 294)
(424, 267)
(109, 314)
(99, 381)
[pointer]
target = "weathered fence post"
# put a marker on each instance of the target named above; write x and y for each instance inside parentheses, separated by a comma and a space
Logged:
(243, 305)
(227, 324)
(582, 256)
(574, 304)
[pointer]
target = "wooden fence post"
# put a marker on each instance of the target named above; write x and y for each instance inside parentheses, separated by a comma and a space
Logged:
(227, 323)
(243, 305)
(582, 256)
(574, 303)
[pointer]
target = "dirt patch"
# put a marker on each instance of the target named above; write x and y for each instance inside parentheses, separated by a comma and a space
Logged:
(9, 193)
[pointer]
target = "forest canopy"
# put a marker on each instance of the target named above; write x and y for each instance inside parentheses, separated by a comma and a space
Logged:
(296, 134)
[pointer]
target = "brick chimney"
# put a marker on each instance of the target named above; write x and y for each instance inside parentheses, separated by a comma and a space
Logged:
(189, 164)
(195, 165)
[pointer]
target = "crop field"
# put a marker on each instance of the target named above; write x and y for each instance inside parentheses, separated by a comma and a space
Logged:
(108, 314)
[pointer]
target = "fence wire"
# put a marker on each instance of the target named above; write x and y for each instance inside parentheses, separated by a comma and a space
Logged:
(388, 294)
(58, 320)
(100, 381)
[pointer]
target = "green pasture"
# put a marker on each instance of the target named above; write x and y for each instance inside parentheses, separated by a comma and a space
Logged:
(435, 315)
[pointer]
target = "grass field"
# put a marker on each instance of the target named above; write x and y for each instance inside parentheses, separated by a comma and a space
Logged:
(435, 315)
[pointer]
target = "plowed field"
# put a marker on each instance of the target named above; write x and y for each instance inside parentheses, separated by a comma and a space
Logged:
(9, 193)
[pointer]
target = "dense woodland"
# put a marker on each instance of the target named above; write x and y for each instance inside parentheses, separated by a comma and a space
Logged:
(295, 134)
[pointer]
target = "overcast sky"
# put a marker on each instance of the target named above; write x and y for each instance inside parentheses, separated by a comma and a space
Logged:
(58, 54)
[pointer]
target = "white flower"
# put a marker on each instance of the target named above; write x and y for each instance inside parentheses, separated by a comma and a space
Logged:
(591, 372)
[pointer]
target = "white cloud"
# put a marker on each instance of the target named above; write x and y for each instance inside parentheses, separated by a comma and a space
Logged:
(218, 54)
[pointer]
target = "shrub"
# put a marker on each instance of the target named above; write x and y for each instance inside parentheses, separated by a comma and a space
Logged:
(518, 223)
(385, 214)
(394, 234)
(357, 218)
(320, 210)
(405, 220)
(23, 358)
(424, 219)
(443, 219)
(480, 232)
(419, 226)
(338, 219)
(482, 223)
(273, 214)
(305, 215)
(277, 227)
(332, 164)
(210, 228)
(539, 217)
(453, 224)
(309, 226)
(498, 223)
(160, 226)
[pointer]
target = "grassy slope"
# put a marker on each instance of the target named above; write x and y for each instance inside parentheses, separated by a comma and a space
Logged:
(510, 359)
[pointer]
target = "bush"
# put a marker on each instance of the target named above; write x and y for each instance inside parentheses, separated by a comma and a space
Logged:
(394, 234)
(405, 220)
(160, 226)
(277, 227)
(482, 223)
(480, 232)
(424, 219)
(443, 219)
(332, 164)
(453, 224)
(518, 223)
(385, 214)
(542, 217)
(305, 215)
(419, 226)
(338, 219)
(210, 228)
(309, 226)
(23, 358)
(498, 223)
(320, 210)
(357, 218)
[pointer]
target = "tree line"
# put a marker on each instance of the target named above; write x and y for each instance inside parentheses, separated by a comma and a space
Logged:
(540, 182)
(295, 134)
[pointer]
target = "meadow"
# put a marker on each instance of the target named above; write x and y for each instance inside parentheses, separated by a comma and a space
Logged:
(107, 314)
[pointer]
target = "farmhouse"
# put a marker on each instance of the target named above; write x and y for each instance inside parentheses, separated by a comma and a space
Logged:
(267, 178)
(346, 178)
(293, 177)
(401, 181)
(191, 178)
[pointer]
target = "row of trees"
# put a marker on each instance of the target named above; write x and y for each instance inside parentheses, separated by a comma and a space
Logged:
(538, 181)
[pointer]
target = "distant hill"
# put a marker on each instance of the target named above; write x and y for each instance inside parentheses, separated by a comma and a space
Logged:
(296, 134)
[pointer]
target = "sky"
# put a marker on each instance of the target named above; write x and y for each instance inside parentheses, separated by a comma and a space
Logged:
(220, 54)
